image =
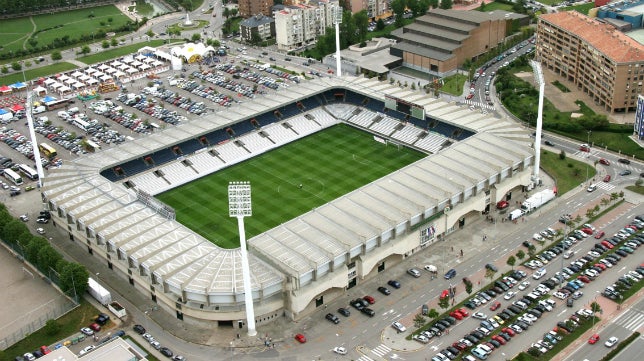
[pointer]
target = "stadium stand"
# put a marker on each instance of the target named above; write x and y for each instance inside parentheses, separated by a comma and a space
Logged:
(385, 126)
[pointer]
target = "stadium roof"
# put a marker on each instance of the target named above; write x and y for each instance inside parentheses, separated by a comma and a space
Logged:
(171, 254)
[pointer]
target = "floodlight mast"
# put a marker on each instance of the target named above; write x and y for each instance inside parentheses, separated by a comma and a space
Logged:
(538, 78)
(337, 20)
(32, 132)
(239, 205)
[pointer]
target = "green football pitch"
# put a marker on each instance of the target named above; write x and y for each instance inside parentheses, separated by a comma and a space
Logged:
(286, 182)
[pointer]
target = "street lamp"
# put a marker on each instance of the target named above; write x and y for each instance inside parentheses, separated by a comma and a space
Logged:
(588, 142)
(239, 205)
(445, 212)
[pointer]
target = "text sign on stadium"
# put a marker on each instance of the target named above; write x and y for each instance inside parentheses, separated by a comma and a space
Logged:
(403, 106)
(239, 202)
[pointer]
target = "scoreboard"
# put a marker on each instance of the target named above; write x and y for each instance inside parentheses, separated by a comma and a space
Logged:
(405, 107)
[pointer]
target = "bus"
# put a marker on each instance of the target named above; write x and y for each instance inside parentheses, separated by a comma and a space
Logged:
(47, 150)
(28, 172)
(81, 124)
(13, 176)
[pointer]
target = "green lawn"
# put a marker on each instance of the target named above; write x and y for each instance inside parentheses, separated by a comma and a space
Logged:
(68, 23)
(112, 53)
(583, 8)
(496, 6)
(453, 84)
(568, 173)
(36, 73)
(70, 324)
(328, 164)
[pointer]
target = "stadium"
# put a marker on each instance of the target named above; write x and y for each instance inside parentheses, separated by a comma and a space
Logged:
(106, 201)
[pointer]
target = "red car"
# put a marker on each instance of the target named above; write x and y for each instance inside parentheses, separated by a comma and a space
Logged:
(469, 96)
(495, 306)
(509, 331)
(502, 205)
(584, 279)
(457, 315)
(607, 178)
(300, 338)
(444, 294)
(584, 148)
(607, 244)
(369, 299)
(604, 161)
(463, 312)
(45, 350)
(600, 234)
(95, 327)
(600, 265)
(499, 339)
(588, 231)
(593, 339)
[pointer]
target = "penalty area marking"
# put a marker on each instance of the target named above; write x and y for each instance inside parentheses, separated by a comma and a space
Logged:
(361, 160)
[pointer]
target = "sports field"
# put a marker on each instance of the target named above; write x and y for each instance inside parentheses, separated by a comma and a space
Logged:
(327, 165)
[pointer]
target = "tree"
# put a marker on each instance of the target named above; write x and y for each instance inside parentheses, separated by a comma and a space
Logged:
(511, 261)
(595, 307)
(446, 4)
(255, 38)
(614, 196)
(226, 12)
(590, 212)
(4, 69)
(520, 254)
(380, 24)
(47, 258)
(73, 277)
(196, 37)
(149, 33)
(105, 44)
(443, 302)
(489, 274)
(16, 66)
(52, 327)
(56, 55)
(419, 320)
(432, 313)
(361, 21)
(398, 8)
(562, 154)
(468, 287)
(114, 42)
(85, 49)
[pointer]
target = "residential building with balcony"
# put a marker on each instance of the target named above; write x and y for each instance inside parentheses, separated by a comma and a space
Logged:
(248, 8)
(298, 26)
(601, 61)
(264, 26)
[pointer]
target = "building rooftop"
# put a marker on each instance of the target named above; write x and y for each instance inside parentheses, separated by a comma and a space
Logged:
(603, 37)
(257, 20)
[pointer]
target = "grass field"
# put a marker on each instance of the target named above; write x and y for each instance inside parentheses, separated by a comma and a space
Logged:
(36, 73)
(74, 23)
(107, 54)
(328, 164)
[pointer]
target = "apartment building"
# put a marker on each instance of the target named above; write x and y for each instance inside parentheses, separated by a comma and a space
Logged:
(297, 26)
(638, 128)
(262, 25)
(248, 8)
(600, 60)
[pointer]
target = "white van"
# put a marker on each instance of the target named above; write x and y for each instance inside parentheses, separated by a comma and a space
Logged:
(479, 353)
(38, 110)
(592, 187)
(73, 110)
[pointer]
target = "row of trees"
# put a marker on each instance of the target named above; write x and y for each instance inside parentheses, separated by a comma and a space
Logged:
(69, 276)
(23, 7)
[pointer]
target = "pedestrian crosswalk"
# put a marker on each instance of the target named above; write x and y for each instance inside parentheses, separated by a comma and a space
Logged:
(378, 353)
(605, 186)
(479, 105)
(631, 320)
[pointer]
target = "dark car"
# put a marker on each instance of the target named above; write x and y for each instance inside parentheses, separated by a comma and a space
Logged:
(444, 322)
(38, 354)
(367, 311)
(491, 267)
(570, 302)
(357, 304)
(332, 318)
(471, 338)
(440, 326)
(621, 253)
(490, 293)
(166, 351)
(344, 312)
(624, 161)
(563, 326)
(394, 284)
(102, 319)
(139, 329)
(384, 290)
(550, 143)
(450, 274)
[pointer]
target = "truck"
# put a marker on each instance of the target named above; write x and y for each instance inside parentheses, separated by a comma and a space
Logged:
(117, 309)
(98, 292)
(537, 200)
(515, 214)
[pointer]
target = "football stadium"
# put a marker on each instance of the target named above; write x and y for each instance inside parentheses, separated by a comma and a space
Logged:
(350, 176)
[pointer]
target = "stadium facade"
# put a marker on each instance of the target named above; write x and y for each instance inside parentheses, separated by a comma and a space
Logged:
(105, 203)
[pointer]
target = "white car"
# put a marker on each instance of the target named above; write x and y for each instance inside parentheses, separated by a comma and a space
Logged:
(537, 237)
(398, 326)
(24, 218)
(493, 322)
(539, 273)
(588, 225)
(40, 231)
(560, 295)
(419, 338)
(524, 285)
(480, 315)
(611, 341)
(87, 349)
(340, 350)
(509, 295)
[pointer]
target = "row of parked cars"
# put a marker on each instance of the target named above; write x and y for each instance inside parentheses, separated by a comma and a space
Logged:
(563, 327)
(115, 112)
(21, 144)
(152, 108)
(156, 344)
(440, 326)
